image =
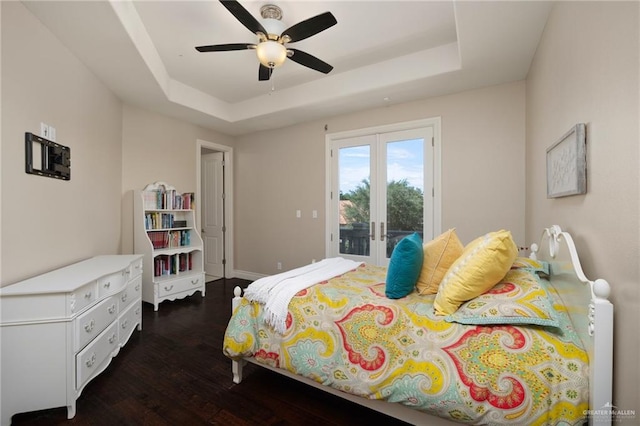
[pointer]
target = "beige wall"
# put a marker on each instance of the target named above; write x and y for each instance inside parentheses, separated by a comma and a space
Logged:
(586, 70)
(115, 148)
(49, 223)
(281, 171)
(157, 148)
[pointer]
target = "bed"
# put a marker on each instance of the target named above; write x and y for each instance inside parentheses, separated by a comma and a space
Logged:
(535, 348)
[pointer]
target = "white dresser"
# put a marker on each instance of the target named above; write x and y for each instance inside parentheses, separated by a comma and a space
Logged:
(61, 329)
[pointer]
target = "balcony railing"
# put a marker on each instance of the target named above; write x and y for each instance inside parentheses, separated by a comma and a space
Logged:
(355, 239)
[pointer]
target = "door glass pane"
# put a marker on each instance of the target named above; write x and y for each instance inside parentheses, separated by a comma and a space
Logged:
(355, 207)
(405, 190)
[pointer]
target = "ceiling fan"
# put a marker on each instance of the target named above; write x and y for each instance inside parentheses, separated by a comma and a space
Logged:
(272, 38)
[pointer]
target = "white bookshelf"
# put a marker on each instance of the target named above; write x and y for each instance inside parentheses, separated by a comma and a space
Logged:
(165, 233)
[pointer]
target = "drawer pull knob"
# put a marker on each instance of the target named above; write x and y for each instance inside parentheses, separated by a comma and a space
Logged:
(125, 324)
(112, 338)
(107, 284)
(168, 288)
(137, 287)
(195, 282)
(89, 326)
(138, 311)
(112, 308)
(87, 295)
(89, 363)
(124, 297)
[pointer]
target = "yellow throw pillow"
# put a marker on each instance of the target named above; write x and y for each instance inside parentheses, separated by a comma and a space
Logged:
(439, 255)
(484, 262)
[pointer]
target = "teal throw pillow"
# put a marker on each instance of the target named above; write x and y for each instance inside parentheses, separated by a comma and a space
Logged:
(404, 267)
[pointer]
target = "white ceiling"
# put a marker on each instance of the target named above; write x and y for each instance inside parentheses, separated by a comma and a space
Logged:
(383, 52)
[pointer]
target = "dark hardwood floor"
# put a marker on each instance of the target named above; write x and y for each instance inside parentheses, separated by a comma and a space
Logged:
(173, 372)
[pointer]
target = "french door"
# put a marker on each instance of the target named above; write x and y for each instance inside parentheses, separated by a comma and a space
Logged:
(382, 188)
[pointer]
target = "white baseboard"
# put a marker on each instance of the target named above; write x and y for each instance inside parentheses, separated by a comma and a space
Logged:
(245, 275)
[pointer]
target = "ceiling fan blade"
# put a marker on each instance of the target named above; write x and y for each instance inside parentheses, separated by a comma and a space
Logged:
(243, 16)
(225, 47)
(309, 27)
(310, 61)
(264, 73)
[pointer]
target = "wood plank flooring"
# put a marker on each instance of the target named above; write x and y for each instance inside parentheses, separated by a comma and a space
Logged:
(173, 372)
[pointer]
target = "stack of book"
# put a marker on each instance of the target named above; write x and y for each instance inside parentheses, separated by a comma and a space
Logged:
(170, 265)
(158, 220)
(161, 199)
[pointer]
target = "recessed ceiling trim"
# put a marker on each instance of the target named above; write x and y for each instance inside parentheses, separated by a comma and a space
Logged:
(133, 25)
(495, 44)
(173, 90)
(395, 71)
(415, 66)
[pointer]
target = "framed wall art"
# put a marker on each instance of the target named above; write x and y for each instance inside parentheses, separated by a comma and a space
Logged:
(567, 164)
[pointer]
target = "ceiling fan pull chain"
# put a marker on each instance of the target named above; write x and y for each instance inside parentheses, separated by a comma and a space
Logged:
(273, 83)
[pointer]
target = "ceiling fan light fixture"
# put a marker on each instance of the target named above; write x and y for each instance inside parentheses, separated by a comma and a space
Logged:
(271, 54)
(271, 48)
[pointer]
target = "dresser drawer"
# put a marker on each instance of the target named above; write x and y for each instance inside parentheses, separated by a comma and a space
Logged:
(82, 297)
(91, 358)
(128, 321)
(135, 270)
(179, 285)
(130, 293)
(89, 324)
(112, 283)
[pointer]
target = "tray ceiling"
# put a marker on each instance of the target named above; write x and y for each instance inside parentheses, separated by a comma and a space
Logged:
(383, 52)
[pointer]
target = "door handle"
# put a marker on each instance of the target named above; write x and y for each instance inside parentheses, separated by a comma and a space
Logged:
(373, 231)
(381, 231)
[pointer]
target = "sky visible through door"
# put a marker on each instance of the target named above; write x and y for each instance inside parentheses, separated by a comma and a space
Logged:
(404, 161)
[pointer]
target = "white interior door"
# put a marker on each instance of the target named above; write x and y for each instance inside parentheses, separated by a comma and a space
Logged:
(382, 190)
(213, 214)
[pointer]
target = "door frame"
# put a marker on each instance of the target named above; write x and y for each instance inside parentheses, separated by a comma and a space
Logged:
(434, 122)
(209, 147)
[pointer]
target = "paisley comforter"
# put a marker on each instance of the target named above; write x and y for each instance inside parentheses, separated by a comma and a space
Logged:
(346, 334)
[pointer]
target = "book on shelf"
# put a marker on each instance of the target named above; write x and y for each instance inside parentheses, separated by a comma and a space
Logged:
(159, 239)
(164, 265)
(170, 199)
(158, 220)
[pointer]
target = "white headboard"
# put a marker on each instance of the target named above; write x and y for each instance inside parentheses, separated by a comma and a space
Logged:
(591, 314)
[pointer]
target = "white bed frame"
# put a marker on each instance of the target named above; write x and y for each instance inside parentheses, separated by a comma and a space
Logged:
(589, 308)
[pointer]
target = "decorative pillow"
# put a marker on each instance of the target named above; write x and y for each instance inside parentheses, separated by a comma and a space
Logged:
(484, 262)
(439, 255)
(404, 267)
(519, 298)
(531, 264)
